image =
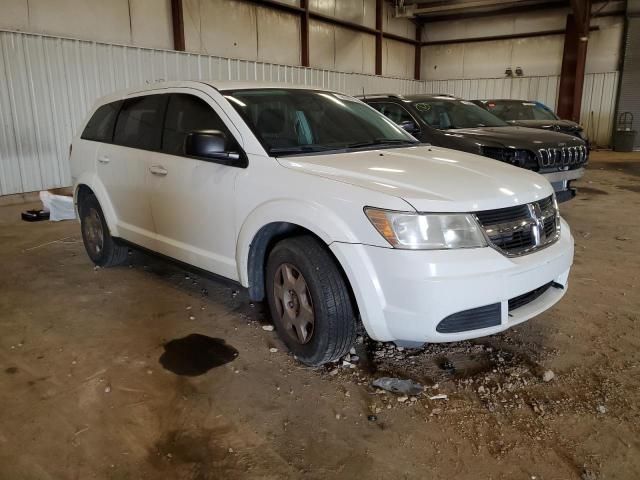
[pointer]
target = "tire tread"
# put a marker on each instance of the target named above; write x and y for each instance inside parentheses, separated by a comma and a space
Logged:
(114, 253)
(341, 317)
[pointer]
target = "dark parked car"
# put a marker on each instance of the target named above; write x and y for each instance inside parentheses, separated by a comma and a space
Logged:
(446, 121)
(533, 115)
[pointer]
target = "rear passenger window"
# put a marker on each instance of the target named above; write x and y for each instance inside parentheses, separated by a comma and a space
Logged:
(139, 124)
(185, 114)
(100, 126)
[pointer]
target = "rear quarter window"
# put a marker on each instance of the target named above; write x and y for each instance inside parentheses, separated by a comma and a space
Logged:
(101, 124)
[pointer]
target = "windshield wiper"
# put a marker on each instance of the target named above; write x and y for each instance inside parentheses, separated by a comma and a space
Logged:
(380, 141)
(303, 149)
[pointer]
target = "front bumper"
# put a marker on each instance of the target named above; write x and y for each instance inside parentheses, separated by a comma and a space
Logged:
(561, 182)
(403, 295)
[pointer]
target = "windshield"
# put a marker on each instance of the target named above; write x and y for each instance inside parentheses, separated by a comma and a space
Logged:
(445, 114)
(513, 111)
(293, 121)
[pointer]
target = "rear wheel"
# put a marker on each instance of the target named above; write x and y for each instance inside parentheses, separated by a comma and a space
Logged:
(310, 301)
(101, 247)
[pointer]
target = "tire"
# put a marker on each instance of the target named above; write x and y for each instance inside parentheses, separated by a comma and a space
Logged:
(323, 292)
(101, 247)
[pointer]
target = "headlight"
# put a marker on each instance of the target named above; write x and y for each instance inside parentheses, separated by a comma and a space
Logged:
(519, 158)
(432, 231)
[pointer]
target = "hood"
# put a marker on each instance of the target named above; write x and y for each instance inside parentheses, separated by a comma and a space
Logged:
(556, 125)
(429, 178)
(517, 137)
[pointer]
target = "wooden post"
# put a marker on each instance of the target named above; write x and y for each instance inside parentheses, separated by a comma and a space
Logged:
(574, 58)
(418, 60)
(177, 21)
(304, 32)
(379, 13)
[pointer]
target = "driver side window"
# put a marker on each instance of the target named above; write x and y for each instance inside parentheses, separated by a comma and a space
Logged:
(186, 113)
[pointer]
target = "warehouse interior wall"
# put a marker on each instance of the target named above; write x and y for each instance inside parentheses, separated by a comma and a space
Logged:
(629, 98)
(48, 85)
(228, 28)
(53, 76)
(537, 56)
(126, 22)
(253, 32)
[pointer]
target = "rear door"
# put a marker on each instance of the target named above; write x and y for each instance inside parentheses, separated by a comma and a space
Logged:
(123, 165)
(193, 199)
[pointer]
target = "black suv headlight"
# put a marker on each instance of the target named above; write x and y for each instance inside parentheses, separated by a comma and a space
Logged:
(514, 156)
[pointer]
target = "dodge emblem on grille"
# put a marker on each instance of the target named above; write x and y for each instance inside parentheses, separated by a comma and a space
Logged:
(537, 229)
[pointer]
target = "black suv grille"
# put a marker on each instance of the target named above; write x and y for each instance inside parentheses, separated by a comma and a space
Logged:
(521, 229)
(561, 157)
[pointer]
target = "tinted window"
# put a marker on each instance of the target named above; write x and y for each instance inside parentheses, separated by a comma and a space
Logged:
(289, 122)
(140, 122)
(445, 113)
(100, 126)
(520, 111)
(185, 114)
(393, 111)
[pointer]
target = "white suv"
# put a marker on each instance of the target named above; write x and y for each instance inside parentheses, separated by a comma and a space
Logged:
(324, 208)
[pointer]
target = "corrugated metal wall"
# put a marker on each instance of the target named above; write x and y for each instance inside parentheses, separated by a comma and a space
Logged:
(598, 98)
(629, 92)
(48, 84)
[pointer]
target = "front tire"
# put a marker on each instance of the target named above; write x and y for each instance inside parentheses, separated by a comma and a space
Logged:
(310, 301)
(101, 247)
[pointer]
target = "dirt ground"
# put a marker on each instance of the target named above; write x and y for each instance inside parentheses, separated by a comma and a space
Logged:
(103, 373)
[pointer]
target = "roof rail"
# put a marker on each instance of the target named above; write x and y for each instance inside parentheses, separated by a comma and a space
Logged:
(380, 95)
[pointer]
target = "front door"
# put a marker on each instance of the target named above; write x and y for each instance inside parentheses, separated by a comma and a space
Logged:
(192, 199)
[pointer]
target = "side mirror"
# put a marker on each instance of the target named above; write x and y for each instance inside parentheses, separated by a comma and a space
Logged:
(211, 144)
(409, 126)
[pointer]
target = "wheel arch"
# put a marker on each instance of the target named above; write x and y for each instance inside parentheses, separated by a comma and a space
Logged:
(259, 244)
(90, 184)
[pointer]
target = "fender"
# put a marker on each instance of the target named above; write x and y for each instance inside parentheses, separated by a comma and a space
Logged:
(315, 217)
(91, 180)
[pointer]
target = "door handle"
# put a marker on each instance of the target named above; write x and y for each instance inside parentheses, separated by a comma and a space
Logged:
(103, 159)
(158, 170)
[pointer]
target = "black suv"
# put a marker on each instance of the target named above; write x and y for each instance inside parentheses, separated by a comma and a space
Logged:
(524, 113)
(451, 122)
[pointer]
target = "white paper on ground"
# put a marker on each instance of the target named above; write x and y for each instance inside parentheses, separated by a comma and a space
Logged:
(60, 207)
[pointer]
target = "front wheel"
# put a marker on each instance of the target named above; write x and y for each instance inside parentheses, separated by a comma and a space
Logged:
(310, 301)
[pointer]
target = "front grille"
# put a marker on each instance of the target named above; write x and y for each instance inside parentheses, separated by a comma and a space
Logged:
(549, 226)
(562, 157)
(502, 215)
(523, 228)
(524, 299)
(546, 203)
(514, 241)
